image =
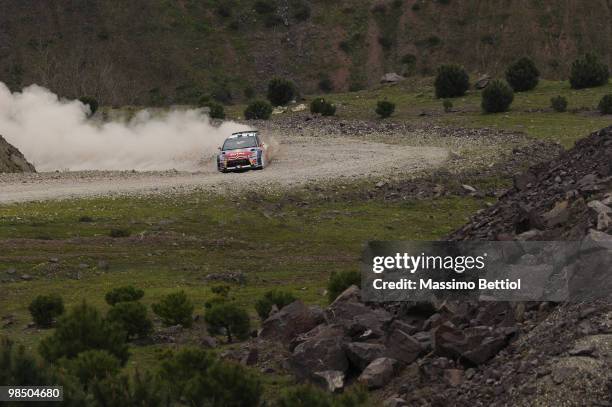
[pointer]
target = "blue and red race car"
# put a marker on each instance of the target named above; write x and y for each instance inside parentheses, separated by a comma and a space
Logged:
(242, 150)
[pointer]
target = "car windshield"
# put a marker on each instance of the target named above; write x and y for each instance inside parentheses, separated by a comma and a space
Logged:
(240, 142)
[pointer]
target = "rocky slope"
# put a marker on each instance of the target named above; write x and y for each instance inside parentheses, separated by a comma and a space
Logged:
(11, 159)
(173, 51)
(470, 353)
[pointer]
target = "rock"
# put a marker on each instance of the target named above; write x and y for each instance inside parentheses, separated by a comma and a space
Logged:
(103, 265)
(378, 373)
(291, 321)
(333, 380)
(208, 342)
(395, 401)
(11, 271)
(324, 351)
(476, 344)
(402, 347)
(361, 354)
(26, 277)
(53, 260)
(599, 207)
(380, 184)
(557, 215)
(11, 159)
(454, 377)
(251, 357)
(582, 350)
(603, 221)
(391, 77)
(468, 188)
(299, 108)
(482, 82)
(279, 110)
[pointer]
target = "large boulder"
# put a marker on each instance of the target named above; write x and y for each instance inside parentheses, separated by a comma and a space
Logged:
(322, 352)
(475, 344)
(391, 77)
(378, 373)
(11, 159)
(291, 321)
(361, 354)
(401, 345)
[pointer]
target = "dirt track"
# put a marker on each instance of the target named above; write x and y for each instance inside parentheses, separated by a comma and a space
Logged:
(298, 161)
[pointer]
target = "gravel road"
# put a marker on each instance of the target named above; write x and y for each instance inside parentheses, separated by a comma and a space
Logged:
(298, 160)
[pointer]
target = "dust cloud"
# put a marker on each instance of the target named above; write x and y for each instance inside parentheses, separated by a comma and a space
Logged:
(56, 134)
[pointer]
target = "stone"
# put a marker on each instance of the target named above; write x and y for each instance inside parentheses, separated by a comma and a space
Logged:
(318, 354)
(251, 357)
(599, 207)
(26, 277)
(454, 377)
(468, 188)
(208, 342)
(361, 354)
(11, 271)
(395, 401)
(557, 215)
(582, 350)
(291, 321)
(378, 373)
(482, 81)
(603, 221)
(391, 77)
(403, 347)
(333, 380)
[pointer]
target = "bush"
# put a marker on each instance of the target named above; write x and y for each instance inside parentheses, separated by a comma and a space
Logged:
(326, 85)
(92, 103)
(497, 97)
(229, 318)
(451, 81)
(216, 110)
(258, 110)
(328, 109)
(196, 376)
(274, 297)
(119, 233)
(588, 72)
(301, 10)
(384, 108)
(85, 219)
(132, 317)
(123, 294)
(448, 105)
(281, 91)
(118, 391)
(523, 75)
(45, 308)
(311, 396)
(264, 6)
(325, 108)
(175, 309)
(605, 104)
(338, 282)
(93, 364)
(81, 330)
(559, 104)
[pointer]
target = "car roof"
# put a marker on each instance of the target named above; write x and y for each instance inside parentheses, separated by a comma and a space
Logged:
(248, 133)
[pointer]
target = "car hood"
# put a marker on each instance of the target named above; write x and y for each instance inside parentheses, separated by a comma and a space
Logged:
(243, 152)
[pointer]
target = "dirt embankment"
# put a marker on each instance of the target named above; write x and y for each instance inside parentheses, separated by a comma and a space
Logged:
(11, 159)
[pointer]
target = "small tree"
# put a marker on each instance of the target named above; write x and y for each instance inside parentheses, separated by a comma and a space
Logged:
(274, 297)
(45, 308)
(281, 91)
(605, 104)
(175, 309)
(93, 364)
(588, 72)
(90, 102)
(338, 282)
(497, 97)
(559, 104)
(216, 110)
(132, 317)
(230, 318)
(523, 75)
(448, 105)
(84, 329)
(118, 390)
(384, 108)
(123, 294)
(258, 110)
(451, 81)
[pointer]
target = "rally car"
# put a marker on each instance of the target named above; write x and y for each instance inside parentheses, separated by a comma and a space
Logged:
(242, 150)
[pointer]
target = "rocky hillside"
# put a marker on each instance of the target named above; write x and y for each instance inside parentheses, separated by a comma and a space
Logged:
(472, 353)
(11, 159)
(157, 52)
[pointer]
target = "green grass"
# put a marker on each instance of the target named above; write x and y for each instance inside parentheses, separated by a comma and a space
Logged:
(176, 242)
(529, 113)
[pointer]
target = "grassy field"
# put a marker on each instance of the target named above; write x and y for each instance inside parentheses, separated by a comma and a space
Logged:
(176, 242)
(530, 112)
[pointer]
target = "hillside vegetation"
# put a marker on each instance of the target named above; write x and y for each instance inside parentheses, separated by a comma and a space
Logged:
(161, 52)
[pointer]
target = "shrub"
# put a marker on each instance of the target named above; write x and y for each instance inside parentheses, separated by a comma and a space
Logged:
(448, 105)
(264, 6)
(328, 109)
(196, 376)
(216, 110)
(281, 91)
(119, 233)
(451, 81)
(93, 364)
(45, 308)
(605, 104)
(325, 108)
(132, 317)
(123, 294)
(230, 318)
(84, 329)
(310, 396)
(588, 72)
(301, 10)
(326, 85)
(175, 309)
(497, 97)
(338, 282)
(221, 290)
(274, 297)
(258, 110)
(92, 103)
(559, 104)
(523, 75)
(118, 391)
(384, 108)
(85, 219)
